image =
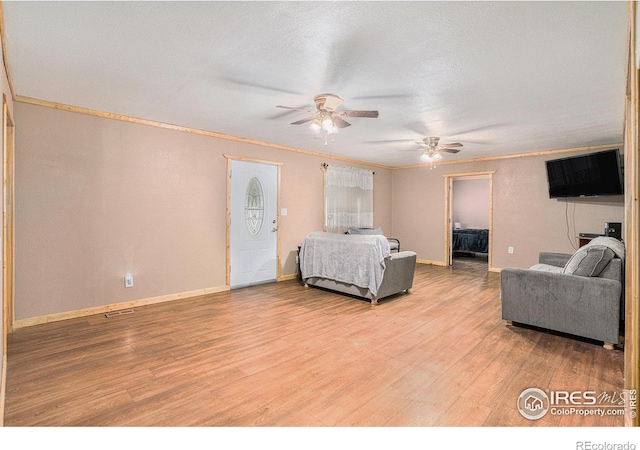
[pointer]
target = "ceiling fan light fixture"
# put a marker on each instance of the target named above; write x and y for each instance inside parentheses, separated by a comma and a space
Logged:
(316, 126)
(432, 150)
(328, 125)
(426, 157)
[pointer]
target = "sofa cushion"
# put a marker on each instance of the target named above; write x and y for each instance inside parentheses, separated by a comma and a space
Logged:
(547, 268)
(589, 261)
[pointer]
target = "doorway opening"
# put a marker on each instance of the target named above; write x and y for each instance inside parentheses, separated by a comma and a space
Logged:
(469, 217)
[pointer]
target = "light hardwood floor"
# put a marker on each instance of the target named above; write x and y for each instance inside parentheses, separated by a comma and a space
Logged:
(282, 355)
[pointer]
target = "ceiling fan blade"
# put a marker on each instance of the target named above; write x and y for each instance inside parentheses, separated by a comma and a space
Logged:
(481, 142)
(452, 145)
(246, 83)
(337, 121)
(472, 130)
(388, 141)
(419, 128)
(356, 113)
(449, 150)
(421, 150)
(383, 96)
(305, 120)
(295, 109)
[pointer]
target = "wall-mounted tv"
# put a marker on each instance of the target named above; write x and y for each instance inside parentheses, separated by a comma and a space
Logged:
(588, 175)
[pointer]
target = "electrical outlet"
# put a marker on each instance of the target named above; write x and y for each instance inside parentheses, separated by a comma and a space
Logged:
(128, 281)
(511, 250)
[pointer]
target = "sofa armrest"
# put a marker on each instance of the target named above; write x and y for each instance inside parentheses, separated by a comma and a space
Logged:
(398, 273)
(582, 306)
(554, 259)
(405, 255)
(396, 241)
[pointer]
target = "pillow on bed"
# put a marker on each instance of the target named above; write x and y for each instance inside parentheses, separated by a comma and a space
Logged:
(365, 231)
(589, 261)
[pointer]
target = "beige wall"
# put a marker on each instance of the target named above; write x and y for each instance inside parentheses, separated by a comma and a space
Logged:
(97, 198)
(524, 217)
(470, 203)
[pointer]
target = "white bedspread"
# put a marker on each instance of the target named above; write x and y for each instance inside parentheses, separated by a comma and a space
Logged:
(348, 258)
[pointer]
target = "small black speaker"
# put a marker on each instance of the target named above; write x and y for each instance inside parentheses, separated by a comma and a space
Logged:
(613, 229)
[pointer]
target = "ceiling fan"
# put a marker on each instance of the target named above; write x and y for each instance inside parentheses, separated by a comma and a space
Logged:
(326, 119)
(432, 148)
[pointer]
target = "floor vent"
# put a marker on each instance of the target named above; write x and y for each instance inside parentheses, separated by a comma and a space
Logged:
(122, 312)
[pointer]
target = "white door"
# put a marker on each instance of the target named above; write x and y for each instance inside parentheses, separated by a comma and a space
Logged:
(253, 251)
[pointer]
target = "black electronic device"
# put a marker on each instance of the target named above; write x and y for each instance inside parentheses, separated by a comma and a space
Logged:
(590, 235)
(613, 229)
(589, 175)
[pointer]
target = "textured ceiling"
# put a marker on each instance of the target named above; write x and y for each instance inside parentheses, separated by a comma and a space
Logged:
(500, 77)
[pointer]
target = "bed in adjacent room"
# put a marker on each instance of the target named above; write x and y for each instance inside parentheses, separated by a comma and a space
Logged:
(471, 240)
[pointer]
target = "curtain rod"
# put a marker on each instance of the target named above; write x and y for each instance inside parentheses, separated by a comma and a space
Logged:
(325, 165)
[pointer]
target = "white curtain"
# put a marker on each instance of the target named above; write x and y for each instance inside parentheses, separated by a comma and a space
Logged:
(349, 198)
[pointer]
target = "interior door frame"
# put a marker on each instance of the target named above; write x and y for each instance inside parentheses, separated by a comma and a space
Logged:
(632, 213)
(8, 232)
(259, 161)
(448, 220)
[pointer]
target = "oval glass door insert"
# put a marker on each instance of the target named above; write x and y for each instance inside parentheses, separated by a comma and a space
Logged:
(254, 207)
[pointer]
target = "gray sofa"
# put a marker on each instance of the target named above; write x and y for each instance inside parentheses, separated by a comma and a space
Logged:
(579, 294)
(398, 277)
(394, 243)
(355, 264)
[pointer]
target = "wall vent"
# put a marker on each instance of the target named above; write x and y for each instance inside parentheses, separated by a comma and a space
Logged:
(122, 312)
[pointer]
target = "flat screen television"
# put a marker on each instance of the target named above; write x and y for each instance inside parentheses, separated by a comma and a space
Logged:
(588, 175)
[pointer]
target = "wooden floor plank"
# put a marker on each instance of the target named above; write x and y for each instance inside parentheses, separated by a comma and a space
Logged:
(284, 355)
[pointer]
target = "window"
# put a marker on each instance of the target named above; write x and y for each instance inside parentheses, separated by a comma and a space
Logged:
(348, 198)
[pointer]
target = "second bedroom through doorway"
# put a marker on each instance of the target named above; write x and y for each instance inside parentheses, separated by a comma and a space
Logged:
(470, 215)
